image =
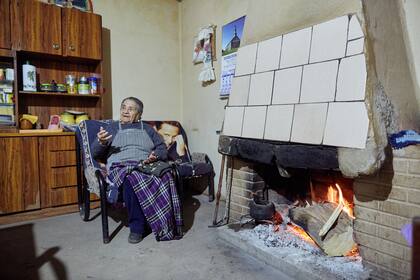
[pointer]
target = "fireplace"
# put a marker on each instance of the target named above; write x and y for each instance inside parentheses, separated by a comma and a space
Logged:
(382, 203)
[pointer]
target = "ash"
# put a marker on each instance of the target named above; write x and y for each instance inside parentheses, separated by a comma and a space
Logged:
(287, 246)
(284, 238)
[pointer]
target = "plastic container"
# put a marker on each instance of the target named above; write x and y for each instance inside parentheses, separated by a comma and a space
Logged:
(93, 85)
(29, 77)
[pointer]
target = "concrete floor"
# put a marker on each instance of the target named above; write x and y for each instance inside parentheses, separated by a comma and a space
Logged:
(65, 247)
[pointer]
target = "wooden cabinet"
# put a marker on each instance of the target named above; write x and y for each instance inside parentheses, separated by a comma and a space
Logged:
(37, 171)
(36, 27)
(5, 42)
(19, 179)
(44, 28)
(82, 34)
(58, 181)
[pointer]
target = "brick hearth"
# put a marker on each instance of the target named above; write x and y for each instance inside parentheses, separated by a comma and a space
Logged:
(384, 202)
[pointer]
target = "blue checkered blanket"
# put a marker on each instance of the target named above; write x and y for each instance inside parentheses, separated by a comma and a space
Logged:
(158, 198)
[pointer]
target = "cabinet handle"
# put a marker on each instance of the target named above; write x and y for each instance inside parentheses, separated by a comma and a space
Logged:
(72, 48)
(56, 46)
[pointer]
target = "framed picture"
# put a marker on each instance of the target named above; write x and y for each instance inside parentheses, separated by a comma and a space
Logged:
(78, 4)
(81, 4)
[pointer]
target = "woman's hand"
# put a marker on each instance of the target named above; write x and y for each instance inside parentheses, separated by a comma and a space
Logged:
(152, 158)
(103, 136)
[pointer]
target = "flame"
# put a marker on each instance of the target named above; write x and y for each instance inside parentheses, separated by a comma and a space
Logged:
(337, 199)
(301, 233)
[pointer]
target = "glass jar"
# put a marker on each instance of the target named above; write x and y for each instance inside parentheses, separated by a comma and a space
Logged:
(83, 86)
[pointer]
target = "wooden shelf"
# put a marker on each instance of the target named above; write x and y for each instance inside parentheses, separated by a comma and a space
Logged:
(41, 93)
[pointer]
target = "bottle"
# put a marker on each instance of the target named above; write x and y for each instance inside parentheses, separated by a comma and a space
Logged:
(93, 85)
(29, 77)
(83, 86)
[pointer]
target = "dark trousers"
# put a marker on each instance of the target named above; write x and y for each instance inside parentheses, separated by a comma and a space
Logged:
(136, 219)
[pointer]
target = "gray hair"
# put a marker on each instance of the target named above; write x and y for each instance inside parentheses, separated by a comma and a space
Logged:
(135, 100)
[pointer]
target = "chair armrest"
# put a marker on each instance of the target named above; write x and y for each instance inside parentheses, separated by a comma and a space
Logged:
(200, 157)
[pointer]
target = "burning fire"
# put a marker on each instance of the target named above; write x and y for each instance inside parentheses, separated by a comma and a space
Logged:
(301, 233)
(336, 196)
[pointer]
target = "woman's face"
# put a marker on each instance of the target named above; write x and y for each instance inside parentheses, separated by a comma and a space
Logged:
(129, 112)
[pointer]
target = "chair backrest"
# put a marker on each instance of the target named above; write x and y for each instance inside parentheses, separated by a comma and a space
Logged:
(171, 132)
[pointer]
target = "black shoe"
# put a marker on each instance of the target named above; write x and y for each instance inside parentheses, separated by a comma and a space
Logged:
(134, 238)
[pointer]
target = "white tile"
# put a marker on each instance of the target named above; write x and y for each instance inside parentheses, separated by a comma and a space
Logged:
(351, 81)
(329, 40)
(347, 125)
(309, 123)
(287, 85)
(295, 49)
(240, 89)
(268, 54)
(254, 122)
(232, 125)
(318, 82)
(355, 46)
(279, 122)
(355, 29)
(261, 88)
(245, 63)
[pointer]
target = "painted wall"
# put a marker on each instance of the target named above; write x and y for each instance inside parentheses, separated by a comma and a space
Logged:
(202, 110)
(141, 55)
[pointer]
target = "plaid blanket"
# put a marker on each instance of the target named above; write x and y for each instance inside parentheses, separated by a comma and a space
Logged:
(157, 196)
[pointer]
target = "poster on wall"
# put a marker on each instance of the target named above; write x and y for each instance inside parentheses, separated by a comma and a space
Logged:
(231, 40)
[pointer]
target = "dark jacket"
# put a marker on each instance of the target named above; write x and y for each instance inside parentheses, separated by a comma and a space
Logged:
(101, 152)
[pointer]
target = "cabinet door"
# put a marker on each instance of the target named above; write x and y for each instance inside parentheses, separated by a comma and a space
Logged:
(58, 179)
(19, 181)
(5, 42)
(82, 34)
(36, 27)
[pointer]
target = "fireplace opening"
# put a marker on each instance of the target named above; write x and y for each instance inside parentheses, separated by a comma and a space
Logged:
(314, 205)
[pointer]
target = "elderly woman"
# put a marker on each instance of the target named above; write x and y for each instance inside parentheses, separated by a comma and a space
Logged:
(149, 199)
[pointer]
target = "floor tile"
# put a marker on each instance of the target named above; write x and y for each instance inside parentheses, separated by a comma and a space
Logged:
(295, 49)
(268, 54)
(261, 88)
(279, 122)
(254, 122)
(329, 40)
(287, 85)
(309, 123)
(319, 82)
(347, 125)
(245, 63)
(239, 92)
(351, 82)
(232, 126)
